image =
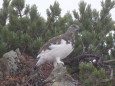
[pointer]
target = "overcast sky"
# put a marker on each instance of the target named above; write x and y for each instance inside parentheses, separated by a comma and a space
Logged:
(65, 5)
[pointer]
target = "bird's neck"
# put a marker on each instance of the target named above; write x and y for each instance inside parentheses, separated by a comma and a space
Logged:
(70, 37)
(69, 33)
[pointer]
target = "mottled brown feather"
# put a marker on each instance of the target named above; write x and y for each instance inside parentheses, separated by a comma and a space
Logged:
(68, 36)
(57, 40)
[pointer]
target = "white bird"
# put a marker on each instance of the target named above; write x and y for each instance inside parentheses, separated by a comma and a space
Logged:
(58, 47)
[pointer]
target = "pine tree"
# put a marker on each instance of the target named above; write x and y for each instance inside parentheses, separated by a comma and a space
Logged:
(3, 27)
(53, 14)
(23, 28)
(91, 76)
(94, 28)
(95, 37)
(4, 13)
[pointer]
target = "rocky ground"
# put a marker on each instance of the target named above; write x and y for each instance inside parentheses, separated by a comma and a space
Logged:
(17, 69)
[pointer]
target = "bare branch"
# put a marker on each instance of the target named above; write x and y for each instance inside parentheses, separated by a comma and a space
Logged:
(109, 61)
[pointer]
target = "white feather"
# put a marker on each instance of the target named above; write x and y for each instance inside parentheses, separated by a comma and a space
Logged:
(52, 46)
(57, 52)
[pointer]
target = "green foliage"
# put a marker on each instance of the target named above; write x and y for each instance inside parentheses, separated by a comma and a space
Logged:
(3, 48)
(18, 4)
(95, 27)
(33, 13)
(34, 44)
(4, 12)
(22, 26)
(54, 10)
(91, 76)
(25, 38)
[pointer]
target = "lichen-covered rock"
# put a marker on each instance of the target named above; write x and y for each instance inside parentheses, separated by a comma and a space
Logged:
(4, 70)
(9, 63)
(60, 77)
(12, 59)
(19, 54)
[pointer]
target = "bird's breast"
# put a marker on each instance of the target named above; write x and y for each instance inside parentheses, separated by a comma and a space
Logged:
(61, 51)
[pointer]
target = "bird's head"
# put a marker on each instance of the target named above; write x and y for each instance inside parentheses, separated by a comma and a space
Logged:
(73, 28)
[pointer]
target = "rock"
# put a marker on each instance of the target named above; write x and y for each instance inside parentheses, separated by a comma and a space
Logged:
(12, 59)
(1, 75)
(60, 77)
(4, 70)
(19, 53)
(8, 63)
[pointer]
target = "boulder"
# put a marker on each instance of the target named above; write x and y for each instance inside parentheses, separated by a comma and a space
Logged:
(60, 77)
(9, 63)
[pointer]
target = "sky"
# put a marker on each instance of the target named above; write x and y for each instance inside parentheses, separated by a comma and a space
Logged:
(65, 5)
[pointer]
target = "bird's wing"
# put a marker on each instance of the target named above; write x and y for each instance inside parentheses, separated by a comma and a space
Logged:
(56, 41)
(51, 44)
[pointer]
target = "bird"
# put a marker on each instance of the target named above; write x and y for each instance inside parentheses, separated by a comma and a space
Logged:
(58, 48)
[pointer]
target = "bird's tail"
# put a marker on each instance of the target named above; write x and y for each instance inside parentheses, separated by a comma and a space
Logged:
(41, 59)
(36, 65)
(38, 58)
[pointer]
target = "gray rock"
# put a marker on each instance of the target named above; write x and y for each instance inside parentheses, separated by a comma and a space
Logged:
(12, 59)
(18, 53)
(9, 63)
(60, 77)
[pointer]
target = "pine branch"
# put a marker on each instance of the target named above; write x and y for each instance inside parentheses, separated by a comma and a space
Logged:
(111, 75)
(109, 61)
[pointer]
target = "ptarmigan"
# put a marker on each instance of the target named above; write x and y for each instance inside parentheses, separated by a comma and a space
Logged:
(58, 47)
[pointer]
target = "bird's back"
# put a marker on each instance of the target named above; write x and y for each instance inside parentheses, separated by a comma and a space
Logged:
(58, 47)
(57, 40)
